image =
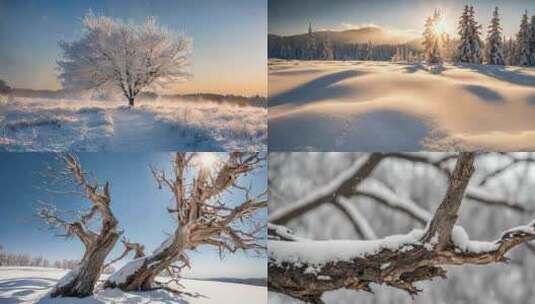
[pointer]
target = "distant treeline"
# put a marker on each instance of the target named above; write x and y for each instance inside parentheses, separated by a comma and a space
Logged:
(256, 101)
(312, 47)
(25, 260)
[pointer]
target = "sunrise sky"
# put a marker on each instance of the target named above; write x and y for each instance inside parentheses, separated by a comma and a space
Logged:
(229, 39)
(406, 16)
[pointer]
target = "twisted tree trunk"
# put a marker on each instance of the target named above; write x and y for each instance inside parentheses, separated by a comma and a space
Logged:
(88, 272)
(142, 277)
(203, 218)
(81, 281)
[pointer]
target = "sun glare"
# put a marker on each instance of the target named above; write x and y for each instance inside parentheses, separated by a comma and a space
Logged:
(441, 25)
(207, 160)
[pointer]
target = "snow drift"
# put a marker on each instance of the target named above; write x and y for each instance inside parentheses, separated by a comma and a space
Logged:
(38, 124)
(27, 285)
(372, 106)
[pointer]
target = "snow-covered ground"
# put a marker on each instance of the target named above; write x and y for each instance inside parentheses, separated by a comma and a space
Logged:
(31, 285)
(365, 106)
(30, 124)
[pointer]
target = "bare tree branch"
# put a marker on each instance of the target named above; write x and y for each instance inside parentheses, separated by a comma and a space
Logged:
(357, 219)
(202, 215)
(343, 186)
(128, 247)
(81, 281)
(445, 217)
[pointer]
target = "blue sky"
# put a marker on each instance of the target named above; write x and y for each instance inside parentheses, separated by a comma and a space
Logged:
(229, 39)
(291, 17)
(136, 201)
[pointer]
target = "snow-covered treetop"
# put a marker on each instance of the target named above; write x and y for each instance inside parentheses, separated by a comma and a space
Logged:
(115, 55)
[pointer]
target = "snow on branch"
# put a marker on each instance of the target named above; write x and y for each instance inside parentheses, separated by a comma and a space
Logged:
(359, 221)
(305, 269)
(485, 197)
(278, 232)
(342, 186)
(376, 190)
(475, 193)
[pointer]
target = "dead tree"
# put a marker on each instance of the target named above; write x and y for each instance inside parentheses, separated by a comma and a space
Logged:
(81, 281)
(203, 218)
(128, 247)
(305, 269)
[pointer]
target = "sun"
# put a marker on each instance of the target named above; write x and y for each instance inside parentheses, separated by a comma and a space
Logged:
(207, 160)
(440, 26)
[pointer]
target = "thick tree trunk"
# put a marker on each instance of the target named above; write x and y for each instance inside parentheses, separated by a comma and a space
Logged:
(131, 101)
(89, 270)
(153, 265)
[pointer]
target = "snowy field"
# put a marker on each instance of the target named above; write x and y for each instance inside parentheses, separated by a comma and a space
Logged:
(29, 124)
(365, 106)
(31, 284)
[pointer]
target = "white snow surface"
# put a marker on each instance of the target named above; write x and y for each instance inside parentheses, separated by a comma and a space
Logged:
(67, 278)
(383, 106)
(39, 124)
(25, 285)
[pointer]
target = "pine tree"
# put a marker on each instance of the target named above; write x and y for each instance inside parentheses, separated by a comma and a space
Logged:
(494, 47)
(469, 49)
(431, 46)
(511, 52)
(475, 32)
(532, 41)
(464, 50)
(522, 55)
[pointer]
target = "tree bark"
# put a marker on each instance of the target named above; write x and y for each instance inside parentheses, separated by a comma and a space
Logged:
(131, 101)
(81, 281)
(89, 269)
(201, 221)
(143, 277)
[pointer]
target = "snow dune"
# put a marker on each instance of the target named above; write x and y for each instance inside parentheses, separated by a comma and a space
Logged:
(31, 284)
(370, 106)
(161, 125)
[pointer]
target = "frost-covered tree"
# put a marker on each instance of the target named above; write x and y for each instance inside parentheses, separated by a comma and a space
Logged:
(522, 46)
(366, 196)
(202, 216)
(509, 51)
(431, 45)
(493, 46)
(532, 41)
(469, 48)
(124, 57)
(464, 50)
(81, 281)
(476, 43)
